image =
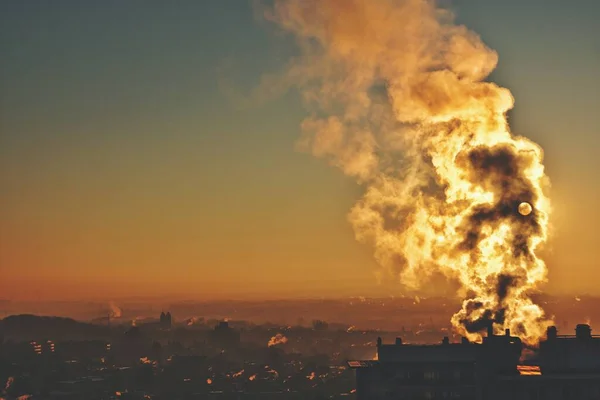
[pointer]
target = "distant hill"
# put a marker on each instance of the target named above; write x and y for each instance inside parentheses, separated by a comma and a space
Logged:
(32, 327)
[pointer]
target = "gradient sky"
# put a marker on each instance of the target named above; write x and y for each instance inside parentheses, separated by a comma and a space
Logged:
(126, 170)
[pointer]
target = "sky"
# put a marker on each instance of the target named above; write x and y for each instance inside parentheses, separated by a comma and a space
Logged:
(128, 169)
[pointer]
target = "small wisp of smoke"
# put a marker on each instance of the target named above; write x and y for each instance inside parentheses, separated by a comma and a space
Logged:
(8, 384)
(194, 320)
(238, 374)
(115, 311)
(277, 339)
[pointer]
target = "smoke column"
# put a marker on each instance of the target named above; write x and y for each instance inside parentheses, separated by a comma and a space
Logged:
(115, 311)
(398, 99)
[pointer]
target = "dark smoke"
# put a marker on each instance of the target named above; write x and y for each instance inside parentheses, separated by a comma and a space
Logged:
(501, 170)
(505, 282)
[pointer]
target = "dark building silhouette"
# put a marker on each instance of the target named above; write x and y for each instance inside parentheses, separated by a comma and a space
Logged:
(567, 353)
(564, 368)
(165, 320)
(224, 336)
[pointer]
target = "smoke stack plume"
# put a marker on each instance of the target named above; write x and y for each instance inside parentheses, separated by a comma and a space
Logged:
(9, 383)
(115, 311)
(398, 99)
(277, 339)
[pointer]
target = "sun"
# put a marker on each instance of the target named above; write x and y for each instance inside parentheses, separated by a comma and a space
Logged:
(525, 208)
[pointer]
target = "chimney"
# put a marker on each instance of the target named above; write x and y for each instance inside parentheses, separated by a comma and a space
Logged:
(490, 330)
(464, 340)
(583, 331)
(379, 341)
(223, 325)
(507, 332)
(398, 341)
(551, 333)
(446, 340)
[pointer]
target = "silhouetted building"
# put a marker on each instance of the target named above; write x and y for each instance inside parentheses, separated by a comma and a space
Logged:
(447, 370)
(224, 336)
(166, 320)
(567, 367)
(567, 353)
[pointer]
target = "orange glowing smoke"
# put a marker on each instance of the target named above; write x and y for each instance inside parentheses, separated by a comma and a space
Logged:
(271, 371)
(238, 374)
(529, 370)
(277, 339)
(9, 382)
(399, 101)
(115, 311)
(193, 320)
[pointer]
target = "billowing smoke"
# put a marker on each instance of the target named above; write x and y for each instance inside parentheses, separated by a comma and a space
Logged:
(277, 339)
(398, 99)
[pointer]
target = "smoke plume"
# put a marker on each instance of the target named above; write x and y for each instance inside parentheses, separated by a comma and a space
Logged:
(8, 384)
(115, 311)
(277, 339)
(398, 99)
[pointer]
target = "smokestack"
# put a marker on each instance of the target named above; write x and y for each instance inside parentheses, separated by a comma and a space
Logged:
(583, 331)
(490, 330)
(398, 341)
(507, 332)
(379, 341)
(551, 333)
(446, 340)
(464, 340)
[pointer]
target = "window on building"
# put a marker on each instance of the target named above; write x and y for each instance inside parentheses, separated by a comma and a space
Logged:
(431, 375)
(401, 376)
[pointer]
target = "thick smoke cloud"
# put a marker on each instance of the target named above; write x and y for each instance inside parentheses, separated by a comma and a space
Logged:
(398, 99)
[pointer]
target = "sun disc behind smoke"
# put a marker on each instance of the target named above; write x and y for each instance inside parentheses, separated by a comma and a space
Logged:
(525, 208)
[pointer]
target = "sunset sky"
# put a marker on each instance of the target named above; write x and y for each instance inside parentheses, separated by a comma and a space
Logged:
(128, 167)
